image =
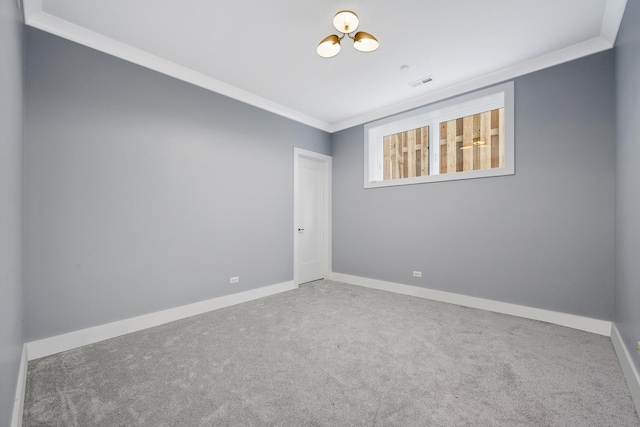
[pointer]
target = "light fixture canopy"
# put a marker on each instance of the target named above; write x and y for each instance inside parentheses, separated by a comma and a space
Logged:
(346, 22)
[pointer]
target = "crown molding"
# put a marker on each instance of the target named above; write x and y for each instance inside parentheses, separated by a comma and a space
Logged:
(31, 8)
(551, 59)
(613, 12)
(36, 17)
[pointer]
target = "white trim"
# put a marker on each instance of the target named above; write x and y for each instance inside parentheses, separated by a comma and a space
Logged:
(31, 8)
(499, 96)
(588, 47)
(327, 245)
(35, 17)
(21, 387)
(59, 343)
(613, 12)
(596, 326)
(628, 368)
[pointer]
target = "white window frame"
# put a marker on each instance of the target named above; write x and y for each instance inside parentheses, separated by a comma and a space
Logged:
(500, 96)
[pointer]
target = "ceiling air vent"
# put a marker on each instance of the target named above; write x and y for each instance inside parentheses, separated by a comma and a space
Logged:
(422, 81)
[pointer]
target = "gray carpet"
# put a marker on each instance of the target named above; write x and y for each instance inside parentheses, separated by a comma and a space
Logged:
(330, 354)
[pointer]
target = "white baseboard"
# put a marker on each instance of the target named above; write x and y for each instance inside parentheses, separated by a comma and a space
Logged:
(18, 404)
(596, 326)
(628, 368)
(68, 341)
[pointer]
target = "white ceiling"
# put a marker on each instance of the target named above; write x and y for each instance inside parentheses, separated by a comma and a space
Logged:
(264, 52)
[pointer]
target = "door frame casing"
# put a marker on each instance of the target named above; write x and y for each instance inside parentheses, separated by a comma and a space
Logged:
(299, 153)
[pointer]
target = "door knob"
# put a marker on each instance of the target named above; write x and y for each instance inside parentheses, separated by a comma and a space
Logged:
(300, 229)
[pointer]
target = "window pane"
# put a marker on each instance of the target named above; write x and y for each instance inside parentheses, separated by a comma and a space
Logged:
(406, 154)
(473, 142)
(471, 134)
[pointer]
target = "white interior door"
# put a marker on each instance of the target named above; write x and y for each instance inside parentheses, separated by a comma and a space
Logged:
(310, 217)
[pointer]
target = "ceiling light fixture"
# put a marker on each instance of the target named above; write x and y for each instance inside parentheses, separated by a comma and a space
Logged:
(346, 22)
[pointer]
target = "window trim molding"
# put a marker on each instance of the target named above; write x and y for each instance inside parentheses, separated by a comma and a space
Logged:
(459, 106)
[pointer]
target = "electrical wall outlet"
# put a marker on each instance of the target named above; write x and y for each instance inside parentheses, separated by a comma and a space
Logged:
(417, 274)
(235, 279)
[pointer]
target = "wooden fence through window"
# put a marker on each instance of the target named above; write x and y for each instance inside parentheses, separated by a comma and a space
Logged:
(406, 154)
(473, 142)
(468, 143)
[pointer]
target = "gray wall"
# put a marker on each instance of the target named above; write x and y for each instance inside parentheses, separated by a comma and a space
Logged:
(11, 124)
(144, 193)
(541, 238)
(627, 249)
